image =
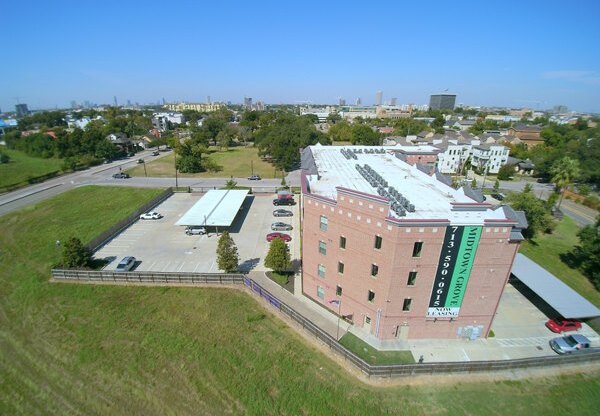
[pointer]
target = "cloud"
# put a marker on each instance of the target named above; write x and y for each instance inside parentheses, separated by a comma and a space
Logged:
(584, 77)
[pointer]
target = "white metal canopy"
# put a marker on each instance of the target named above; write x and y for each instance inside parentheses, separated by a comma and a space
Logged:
(554, 292)
(216, 208)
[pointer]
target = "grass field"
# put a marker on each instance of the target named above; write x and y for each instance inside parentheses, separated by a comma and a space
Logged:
(85, 349)
(373, 356)
(22, 167)
(546, 250)
(235, 162)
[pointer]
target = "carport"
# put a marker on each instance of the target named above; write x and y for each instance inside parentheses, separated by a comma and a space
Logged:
(560, 297)
(217, 208)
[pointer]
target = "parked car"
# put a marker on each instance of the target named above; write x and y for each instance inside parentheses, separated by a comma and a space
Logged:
(140, 161)
(121, 175)
(273, 236)
(282, 213)
(152, 215)
(155, 153)
(254, 178)
(195, 230)
(563, 325)
(498, 196)
(570, 344)
(126, 264)
(283, 201)
(280, 226)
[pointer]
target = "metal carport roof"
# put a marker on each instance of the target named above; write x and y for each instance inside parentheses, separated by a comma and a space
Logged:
(216, 208)
(554, 292)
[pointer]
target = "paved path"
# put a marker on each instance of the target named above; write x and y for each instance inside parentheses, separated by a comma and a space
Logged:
(324, 320)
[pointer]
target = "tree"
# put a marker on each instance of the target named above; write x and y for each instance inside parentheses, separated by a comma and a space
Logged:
(230, 184)
(278, 259)
(284, 136)
(438, 124)
(334, 118)
(588, 252)
(340, 132)
(75, 254)
(4, 158)
(227, 254)
(564, 172)
(536, 212)
(496, 185)
(365, 135)
(190, 157)
(409, 126)
(505, 172)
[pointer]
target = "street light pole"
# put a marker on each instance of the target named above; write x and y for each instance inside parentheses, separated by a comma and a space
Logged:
(175, 158)
(337, 335)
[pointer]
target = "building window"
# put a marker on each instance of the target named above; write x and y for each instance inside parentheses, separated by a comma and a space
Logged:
(406, 304)
(322, 247)
(321, 270)
(417, 249)
(378, 241)
(323, 223)
(374, 270)
(338, 290)
(342, 242)
(371, 296)
(340, 267)
(412, 278)
(320, 292)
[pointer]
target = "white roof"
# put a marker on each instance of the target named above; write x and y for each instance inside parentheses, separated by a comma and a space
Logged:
(555, 293)
(215, 208)
(432, 199)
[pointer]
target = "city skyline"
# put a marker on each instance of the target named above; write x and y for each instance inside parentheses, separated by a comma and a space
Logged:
(529, 55)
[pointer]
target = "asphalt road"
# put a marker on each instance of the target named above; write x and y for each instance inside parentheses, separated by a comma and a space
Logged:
(102, 175)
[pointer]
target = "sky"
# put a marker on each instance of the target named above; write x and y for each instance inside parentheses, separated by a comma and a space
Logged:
(534, 54)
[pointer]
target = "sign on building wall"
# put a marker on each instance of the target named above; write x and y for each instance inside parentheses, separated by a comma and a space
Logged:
(454, 270)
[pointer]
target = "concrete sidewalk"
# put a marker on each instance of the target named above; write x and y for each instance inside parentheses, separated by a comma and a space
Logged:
(323, 319)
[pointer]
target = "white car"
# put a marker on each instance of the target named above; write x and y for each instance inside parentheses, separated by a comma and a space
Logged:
(151, 216)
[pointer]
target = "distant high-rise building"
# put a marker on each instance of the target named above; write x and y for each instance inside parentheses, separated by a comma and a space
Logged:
(342, 101)
(208, 100)
(115, 101)
(163, 101)
(442, 101)
(378, 98)
(358, 101)
(248, 103)
(393, 101)
(21, 110)
(260, 106)
(73, 104)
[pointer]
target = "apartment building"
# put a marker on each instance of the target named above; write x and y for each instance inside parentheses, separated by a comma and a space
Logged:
(396, 251)
(200, 107)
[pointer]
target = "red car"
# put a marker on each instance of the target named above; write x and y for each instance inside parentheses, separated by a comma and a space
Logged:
(273, 236)
(563, 325)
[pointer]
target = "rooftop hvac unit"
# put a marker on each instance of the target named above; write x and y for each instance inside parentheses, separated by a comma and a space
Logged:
(411, 208)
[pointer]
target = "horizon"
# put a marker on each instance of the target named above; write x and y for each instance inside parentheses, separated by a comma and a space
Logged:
(528, 55)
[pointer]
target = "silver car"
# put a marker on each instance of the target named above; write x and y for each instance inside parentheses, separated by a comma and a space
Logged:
(280, 226)
(126, 264)
(569, 344)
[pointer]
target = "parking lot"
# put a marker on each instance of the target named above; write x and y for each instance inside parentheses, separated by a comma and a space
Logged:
(162, 246)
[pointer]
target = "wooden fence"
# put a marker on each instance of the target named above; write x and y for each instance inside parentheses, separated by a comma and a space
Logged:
(383, 371)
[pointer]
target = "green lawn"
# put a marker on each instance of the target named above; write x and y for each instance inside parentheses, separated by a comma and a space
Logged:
(546, 250)
(235, 162)
(373, 356)
(85, 349)
(22, 167)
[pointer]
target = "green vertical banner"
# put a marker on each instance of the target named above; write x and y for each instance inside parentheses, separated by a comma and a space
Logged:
(464, 264)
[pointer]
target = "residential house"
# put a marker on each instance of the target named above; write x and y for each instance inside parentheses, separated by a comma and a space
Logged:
(530, 135)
